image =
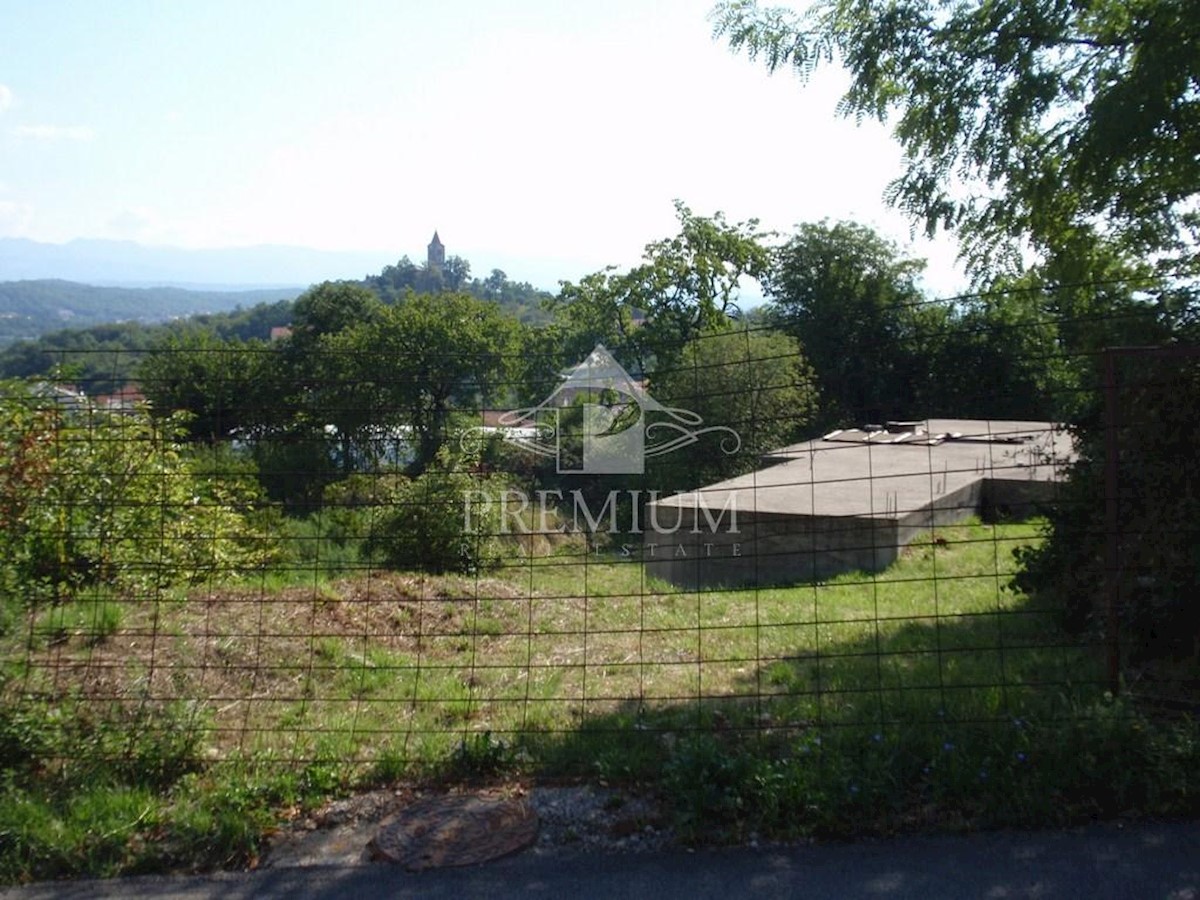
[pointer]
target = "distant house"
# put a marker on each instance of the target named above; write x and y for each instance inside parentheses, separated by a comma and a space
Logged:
(65, 395)
(281, 332)
(126, 399)
(852, 500)
(499, 421)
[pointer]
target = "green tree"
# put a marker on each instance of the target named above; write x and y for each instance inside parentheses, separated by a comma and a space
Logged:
(309, 427)
(91, 497)
(757, 383)
(456, 272)
(214, 381)
(444, 520)
(1002, 359)
(852, 301)
(330, 307)
(1068, 132)
(394, 281)
(1155, 507)
(425, 357)
(688, 284)
(1055, 123)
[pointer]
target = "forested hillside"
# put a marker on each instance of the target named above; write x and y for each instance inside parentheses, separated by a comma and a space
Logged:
(108, 329)
(32, 308)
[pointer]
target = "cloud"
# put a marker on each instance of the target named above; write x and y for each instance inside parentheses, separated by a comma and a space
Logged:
(54, 132)
(5, 97)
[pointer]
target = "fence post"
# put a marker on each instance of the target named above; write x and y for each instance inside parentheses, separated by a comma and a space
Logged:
(1112, 544)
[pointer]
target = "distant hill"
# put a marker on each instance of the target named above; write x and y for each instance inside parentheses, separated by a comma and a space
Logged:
(128, 264)
(32, 308)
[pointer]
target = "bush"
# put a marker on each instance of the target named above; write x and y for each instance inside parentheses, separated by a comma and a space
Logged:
(1157, 505)
(444, 520)
(91, 497)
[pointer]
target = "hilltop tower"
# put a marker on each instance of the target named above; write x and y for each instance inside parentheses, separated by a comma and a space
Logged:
(435, 256)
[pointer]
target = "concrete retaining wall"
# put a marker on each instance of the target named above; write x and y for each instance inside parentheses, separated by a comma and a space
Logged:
(772, 548)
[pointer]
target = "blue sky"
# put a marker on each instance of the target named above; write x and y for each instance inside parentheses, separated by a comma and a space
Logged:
(546, 138)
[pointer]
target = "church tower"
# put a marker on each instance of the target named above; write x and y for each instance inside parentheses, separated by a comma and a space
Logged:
(435, 253)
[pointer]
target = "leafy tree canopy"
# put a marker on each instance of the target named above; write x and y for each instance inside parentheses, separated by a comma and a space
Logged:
(687, 284)
(1056, 121)
(217, 383)
(422, 358)
(851, 298)
(756, 382)
(330, 307)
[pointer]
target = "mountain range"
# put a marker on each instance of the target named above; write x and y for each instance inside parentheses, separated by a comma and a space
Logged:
(127, 264)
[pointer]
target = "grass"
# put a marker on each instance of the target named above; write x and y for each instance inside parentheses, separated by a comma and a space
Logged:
(926, 695)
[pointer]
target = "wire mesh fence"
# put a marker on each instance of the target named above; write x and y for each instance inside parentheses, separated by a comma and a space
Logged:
(1152, 623)
(581, 569)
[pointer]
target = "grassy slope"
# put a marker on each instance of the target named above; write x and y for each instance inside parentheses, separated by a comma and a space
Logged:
(381, 659)
(926, 694)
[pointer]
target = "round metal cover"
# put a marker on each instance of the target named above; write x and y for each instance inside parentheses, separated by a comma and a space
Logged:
(456, 830)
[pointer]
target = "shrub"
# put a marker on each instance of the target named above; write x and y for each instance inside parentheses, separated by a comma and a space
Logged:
(91, 497)
(444, 520)
(1156, 504)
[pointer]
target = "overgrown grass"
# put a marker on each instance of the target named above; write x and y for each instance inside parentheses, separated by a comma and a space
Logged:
(927, 695)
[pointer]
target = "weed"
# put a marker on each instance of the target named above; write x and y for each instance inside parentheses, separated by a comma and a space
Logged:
(480, 753)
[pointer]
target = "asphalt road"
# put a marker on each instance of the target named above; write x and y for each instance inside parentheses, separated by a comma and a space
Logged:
(1103, 861)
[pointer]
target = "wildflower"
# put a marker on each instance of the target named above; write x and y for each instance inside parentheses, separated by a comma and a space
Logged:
(983, 774)
(948, 746)
(1021, 757)
(877, 738)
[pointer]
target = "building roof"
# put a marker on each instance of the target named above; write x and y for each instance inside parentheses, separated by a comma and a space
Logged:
(890, 471)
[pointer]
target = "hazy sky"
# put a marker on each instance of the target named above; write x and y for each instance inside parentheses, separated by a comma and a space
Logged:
(530, 133)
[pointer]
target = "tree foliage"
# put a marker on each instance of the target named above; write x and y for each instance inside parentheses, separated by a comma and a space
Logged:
(1072, 130)
(444, 520)
(852, 300)
(90, 497)
(1156, 505)
(421, 359)
(217, 383)
(687, 284)
(757, 383)
(1060, 123)
(328, 308)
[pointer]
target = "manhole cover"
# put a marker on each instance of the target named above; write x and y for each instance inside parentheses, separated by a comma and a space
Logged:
(456, 830)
